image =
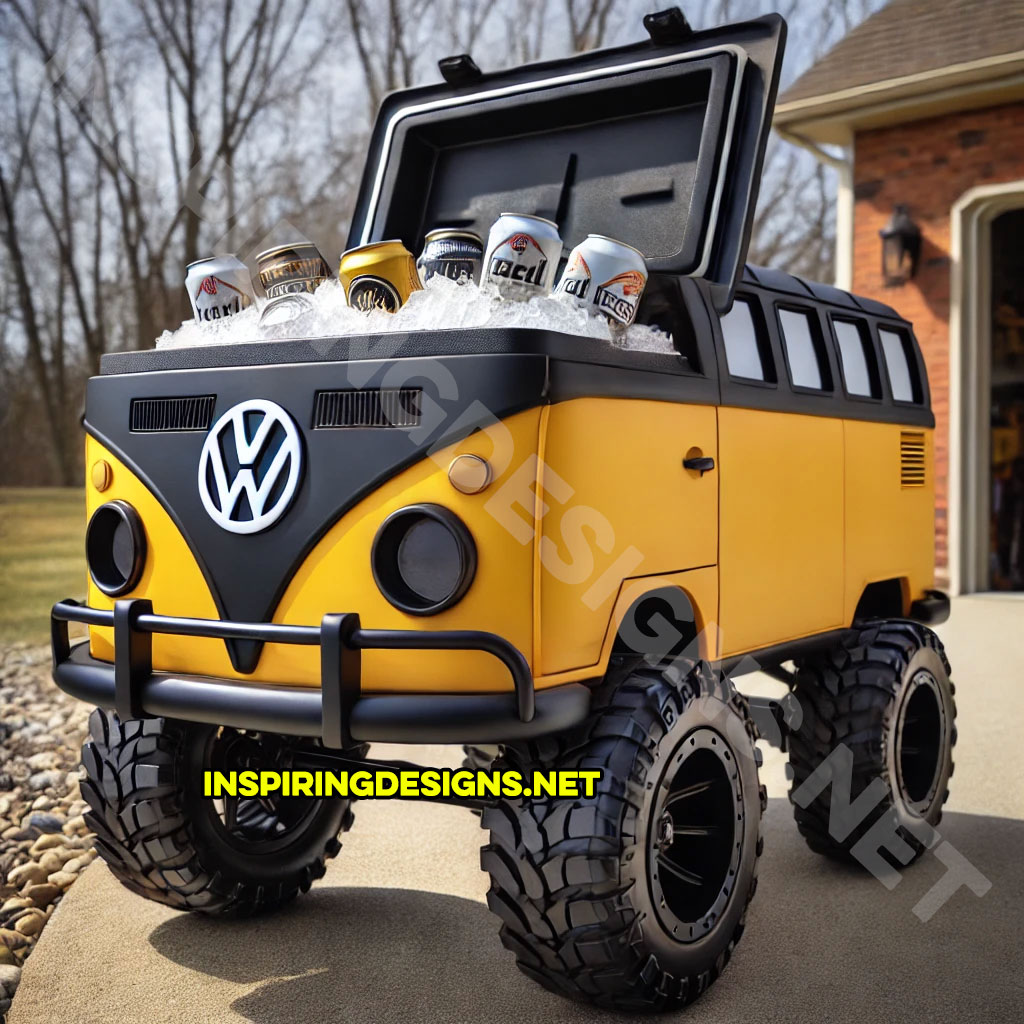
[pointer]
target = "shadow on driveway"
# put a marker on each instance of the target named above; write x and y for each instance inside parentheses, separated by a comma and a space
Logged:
(823, 941)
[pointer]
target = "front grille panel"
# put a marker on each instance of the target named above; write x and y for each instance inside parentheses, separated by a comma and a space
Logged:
(184, 412)
(369, 407)
(912, 459)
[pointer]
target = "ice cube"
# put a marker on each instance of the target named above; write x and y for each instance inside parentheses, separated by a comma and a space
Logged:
(442, 304)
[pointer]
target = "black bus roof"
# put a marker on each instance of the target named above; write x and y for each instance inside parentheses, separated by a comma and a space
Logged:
(780, 281)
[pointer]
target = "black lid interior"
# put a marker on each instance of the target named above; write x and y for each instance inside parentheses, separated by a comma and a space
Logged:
(659, 146)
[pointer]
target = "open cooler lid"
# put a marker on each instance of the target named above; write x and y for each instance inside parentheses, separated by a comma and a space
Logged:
(658, 144)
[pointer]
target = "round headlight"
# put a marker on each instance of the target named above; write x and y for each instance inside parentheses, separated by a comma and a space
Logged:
(423, 559)
(115, 547)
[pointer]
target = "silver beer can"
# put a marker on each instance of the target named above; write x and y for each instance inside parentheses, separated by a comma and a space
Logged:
(604, 276)
(291, 269)
(452, 253)
(522, 255)
(218, 287)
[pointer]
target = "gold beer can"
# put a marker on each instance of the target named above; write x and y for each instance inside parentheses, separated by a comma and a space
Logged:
(381, 275)
(287, 269)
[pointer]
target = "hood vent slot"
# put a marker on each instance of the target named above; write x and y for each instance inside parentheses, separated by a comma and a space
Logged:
(912, 457)
(156, 415)
(369, 407)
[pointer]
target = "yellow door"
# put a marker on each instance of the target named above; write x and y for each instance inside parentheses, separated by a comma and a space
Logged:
(617, 504)
(781, 526)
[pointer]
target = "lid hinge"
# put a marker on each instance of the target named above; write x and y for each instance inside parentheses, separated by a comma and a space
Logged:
(459, 70)
(665, 27)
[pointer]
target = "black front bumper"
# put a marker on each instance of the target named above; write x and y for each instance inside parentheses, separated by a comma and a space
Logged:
(338, 712)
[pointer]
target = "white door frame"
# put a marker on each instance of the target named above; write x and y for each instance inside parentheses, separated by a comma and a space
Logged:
(970, 396)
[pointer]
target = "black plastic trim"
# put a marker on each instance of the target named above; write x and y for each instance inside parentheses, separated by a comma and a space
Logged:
(98, 545)
(171, 413)
(765, 657)
(932, 609)
(384, 558)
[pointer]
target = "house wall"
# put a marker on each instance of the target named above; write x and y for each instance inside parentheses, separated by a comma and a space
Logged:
(928, 165)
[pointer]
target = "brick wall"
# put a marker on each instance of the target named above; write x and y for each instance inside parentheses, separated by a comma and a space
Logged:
(928, 165)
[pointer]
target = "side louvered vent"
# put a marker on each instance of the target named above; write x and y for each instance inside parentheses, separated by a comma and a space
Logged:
(370, 407)
(187, 412)
(911, 459)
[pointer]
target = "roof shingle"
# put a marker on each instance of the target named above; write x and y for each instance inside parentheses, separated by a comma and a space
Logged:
(907, 37)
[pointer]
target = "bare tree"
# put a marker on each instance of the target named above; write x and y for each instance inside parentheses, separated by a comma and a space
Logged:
(226, 64)
(124, 129)
(588, 23)
(137, 135)
(107, 122)
(389, 38)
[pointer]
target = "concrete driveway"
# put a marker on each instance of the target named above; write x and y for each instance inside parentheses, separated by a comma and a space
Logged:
(398, 931)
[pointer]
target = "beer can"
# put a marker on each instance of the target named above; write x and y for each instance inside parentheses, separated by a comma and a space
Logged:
(218, 287)
(522, 255)
(381, 275)
(451, 253)
(288, 269)
(604, 276)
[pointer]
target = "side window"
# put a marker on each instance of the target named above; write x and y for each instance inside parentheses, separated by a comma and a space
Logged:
(803, 350)
(899, 363)
(857, 357)
(744, 348)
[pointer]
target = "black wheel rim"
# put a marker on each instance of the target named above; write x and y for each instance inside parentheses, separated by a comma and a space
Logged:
(256, 824)
(920, 742)
(695, 835)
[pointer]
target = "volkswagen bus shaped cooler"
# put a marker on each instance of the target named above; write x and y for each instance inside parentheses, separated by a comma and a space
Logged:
(551, 550)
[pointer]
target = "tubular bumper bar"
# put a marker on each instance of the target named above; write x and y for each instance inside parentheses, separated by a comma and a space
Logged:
(339, 713)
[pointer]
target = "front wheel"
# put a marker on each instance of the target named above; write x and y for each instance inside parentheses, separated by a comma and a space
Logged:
(164, 840)
(634, 899)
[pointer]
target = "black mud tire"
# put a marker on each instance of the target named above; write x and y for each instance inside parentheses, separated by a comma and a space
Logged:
(163, 840)
(869, 693)
(573, 881)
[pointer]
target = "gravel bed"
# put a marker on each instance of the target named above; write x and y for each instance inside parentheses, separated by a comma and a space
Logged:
(44, 841)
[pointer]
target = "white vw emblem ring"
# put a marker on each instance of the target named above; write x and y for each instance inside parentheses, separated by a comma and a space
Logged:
(267, 449)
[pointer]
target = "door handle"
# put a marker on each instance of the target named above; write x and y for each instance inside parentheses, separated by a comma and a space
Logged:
(702, 465)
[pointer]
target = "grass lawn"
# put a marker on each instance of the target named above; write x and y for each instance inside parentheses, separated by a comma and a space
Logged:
(42, 557)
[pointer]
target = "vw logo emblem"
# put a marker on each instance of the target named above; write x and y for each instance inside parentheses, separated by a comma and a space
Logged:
(253, 452)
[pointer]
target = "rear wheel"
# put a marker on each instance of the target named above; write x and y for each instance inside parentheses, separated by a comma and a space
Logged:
(887, 697)
(634, 898)
(164, 840)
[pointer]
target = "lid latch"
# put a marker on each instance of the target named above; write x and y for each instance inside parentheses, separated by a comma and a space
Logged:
(459, 70)
(665, 27)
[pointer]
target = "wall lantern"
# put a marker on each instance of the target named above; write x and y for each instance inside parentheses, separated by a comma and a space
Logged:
(901, 247)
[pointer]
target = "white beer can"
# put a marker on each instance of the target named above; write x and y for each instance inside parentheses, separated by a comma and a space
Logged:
(604, 276)
(218, 287)
(522, 255)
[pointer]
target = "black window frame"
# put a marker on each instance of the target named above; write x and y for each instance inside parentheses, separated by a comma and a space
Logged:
(821, 348)
(781, 396)
(872, 355)
(764, 343)
(915, 364)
